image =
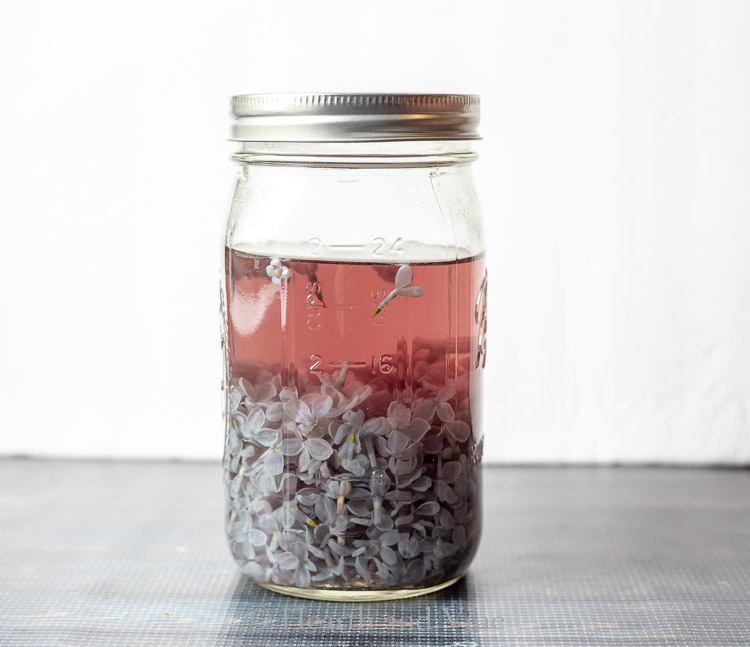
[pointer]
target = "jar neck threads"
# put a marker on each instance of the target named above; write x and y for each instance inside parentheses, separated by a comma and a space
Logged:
(411, 154)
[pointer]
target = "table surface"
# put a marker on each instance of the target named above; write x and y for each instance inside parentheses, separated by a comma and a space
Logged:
(124, 553)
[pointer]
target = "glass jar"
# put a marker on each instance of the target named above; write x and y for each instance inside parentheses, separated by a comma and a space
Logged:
(355, 339)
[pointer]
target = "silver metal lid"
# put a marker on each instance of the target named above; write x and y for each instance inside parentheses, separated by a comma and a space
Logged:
(354, 117)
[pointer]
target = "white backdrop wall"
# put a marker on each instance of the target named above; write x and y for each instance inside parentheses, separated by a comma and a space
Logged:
(614, 173)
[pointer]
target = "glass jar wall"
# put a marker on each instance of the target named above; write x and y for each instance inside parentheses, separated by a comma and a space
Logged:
(355, 321)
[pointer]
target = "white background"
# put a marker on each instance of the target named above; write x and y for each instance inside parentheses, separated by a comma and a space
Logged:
(615, 176)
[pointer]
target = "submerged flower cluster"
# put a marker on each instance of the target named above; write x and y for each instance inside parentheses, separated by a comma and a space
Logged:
(343, 484)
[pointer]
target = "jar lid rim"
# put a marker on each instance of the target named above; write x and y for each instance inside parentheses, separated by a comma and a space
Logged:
(358, 117)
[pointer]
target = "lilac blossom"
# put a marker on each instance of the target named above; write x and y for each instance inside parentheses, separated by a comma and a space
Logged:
(255, 396)
(308, 411)
(355, 432)
(400, 419)
(277, 272)
(296, 559)
(403, 288)
(426, 408)
(348, 487)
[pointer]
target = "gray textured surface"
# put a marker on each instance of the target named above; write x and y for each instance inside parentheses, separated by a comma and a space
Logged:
(133, 553)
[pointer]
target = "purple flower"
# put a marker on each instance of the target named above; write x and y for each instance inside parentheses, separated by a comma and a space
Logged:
(278, 448)
(252, 428)
(325, 490)
(400, 418)
(427, 407)
(457, 430)
(355, 432)
(241, 531)
(255, 396)
(296, 559)
(308, 411)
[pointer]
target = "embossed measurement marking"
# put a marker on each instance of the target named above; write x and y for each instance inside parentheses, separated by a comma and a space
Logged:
(480, 317)
(313, 304)
(378, 295)
(383, 363)
(382, 247)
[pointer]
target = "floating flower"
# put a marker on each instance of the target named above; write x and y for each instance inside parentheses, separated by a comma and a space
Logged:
(403, 288)
(277, 272)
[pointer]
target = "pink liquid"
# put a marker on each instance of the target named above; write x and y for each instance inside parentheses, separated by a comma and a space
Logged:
(304, 329)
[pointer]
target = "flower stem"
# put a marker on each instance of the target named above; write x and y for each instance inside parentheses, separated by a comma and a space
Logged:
(377, 509)
(370, 451)
(385, 301)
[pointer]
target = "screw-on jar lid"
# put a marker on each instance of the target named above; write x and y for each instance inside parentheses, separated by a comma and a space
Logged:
(354, 117)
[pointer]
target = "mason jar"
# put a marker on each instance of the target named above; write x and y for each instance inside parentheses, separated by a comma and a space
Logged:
(355, 314)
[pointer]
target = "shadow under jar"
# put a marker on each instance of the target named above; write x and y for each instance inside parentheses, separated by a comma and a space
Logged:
(355, 313)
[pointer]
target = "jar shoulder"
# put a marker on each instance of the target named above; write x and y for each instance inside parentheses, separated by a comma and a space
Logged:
(420, 214)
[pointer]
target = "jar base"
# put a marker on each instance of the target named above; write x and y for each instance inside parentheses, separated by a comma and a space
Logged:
(353, 595)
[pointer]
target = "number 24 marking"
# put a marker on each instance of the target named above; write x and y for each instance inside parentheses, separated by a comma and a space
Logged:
(382, 247)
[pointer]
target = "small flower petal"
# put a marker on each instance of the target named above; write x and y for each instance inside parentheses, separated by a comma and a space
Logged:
(301, 577)
(298, 411)
(274, 463)
(319, 449)
(451, 471)
(291, 446)
(411, 291)
(256, 537)
(287, 561)
(445, 412)
(398, 414)
(403, 276)
(428, 508)
(458, 429)
(321, 406)
(274, 412)
(267, 437)
(254, 421)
